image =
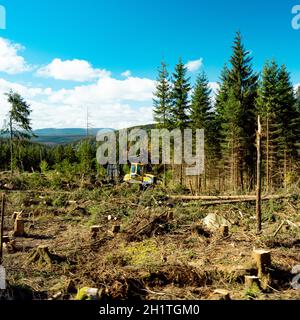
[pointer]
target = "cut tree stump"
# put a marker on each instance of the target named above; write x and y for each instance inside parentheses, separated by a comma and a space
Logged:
(262, 259)
(42, 256)
(19, 228)
(224, 231)
(5, 239)
(95, 231)
(170, 215)
(71, 287)
(116, 229)
(250, 281)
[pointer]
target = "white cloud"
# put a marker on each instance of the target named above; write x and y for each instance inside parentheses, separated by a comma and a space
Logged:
(112, 103)
(10, 60)
(214, 86)
(194, 65)
(72, 70)
(126, 74)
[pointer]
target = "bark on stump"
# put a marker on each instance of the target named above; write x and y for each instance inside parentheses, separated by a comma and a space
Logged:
(262, 259)
(19, 228)
(251, 281)
(41, 256)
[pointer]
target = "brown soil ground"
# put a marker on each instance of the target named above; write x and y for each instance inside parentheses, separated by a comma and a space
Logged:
(162, 251)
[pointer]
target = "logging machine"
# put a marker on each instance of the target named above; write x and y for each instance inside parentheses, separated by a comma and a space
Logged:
(138, 175)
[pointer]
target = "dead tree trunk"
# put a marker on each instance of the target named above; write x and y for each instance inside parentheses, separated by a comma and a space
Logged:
(1, 228)
(258, 186)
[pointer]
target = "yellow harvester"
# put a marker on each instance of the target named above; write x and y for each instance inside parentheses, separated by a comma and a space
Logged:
(138, 175)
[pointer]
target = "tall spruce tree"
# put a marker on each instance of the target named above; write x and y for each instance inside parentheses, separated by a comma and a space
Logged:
(162, 101)
(298, 99)
(180, 117)
(180, 96)
(267, 102)
(202, 117)
(201, 114)
(280, 119)
(297, 105)
(236, 108)
(287, 124)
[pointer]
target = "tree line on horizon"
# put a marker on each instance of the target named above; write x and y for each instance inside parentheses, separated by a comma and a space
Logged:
(230, 120)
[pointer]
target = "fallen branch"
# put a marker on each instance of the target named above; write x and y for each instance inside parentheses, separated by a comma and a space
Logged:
(279, 228)
(213, 200)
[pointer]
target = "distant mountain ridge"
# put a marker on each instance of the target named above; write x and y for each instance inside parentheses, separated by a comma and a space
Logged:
(68, 131)
(54, 136)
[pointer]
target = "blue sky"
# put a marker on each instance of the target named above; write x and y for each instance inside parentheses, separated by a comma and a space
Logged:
(130, 35)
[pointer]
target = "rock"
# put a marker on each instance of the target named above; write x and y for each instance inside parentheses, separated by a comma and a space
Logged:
(214, 222)
(57, 295)
(10, 247)
(9, 186)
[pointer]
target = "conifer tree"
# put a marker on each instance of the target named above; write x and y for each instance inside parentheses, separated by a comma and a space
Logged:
(201, 114)
(180, 97)
(298, 99)
(180, 117)
(162, 98)
(287, 124)
(202, 117)
(18, 125)
(236, 109)
(267, 103)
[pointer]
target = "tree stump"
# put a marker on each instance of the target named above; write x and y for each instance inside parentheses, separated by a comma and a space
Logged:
(224, 231)
(71, 287)
(94, 232)
(19, 228)
(116, 229)
(262, 259)
(41, 256)
(251, 281)
(170, 215)
(5, 239)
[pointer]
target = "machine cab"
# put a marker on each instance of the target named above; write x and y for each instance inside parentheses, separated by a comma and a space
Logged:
(137, 170)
